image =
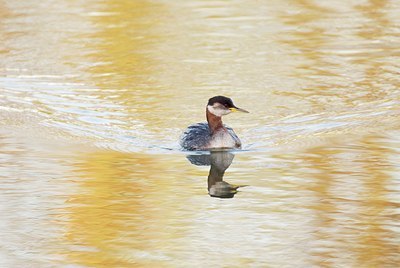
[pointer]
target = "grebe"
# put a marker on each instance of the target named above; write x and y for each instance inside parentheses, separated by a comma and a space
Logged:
(214, 134)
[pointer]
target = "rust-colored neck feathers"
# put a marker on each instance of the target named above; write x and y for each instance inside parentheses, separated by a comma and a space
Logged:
(214, 122)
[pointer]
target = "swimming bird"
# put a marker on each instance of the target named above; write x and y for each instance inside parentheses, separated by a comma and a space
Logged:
(213, 134)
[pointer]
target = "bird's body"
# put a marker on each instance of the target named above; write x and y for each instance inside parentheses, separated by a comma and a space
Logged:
(199, 137)
(213, 134)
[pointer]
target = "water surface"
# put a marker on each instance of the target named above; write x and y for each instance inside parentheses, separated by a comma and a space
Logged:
(95, 94)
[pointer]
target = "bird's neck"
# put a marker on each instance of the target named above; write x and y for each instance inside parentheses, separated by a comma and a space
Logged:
(214, 122)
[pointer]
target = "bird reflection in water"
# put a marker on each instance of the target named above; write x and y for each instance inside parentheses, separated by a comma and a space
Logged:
(219, 162)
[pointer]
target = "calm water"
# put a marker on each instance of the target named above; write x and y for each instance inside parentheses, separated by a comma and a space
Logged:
(95, 94)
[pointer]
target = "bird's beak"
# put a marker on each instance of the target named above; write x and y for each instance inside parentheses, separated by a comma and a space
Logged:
(236, 109)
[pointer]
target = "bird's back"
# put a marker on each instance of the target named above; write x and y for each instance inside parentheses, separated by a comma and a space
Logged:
(196, 137)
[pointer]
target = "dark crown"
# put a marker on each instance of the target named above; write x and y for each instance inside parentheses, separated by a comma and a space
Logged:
(227, 102)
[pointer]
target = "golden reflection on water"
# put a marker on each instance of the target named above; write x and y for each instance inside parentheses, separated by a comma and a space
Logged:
(128, 65)
(328, 52)
(99, 215)
(363, 214)
(122, 50)
(377, 28)
(122, 214)
(376, 211)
